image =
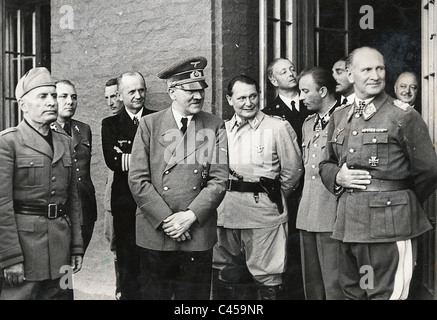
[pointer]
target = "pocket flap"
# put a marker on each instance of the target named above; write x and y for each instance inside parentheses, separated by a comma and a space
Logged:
(338, 140)
(372, 138)
(67, 162)
(387, 199)
(30, 162)
(25, 223)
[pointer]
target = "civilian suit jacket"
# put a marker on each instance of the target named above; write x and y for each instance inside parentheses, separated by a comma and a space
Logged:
(171, 172)
(82, 144)
(33, 174)
(118, 133)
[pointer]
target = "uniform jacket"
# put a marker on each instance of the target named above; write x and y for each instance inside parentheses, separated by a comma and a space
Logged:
(82, 144)
(167, 176)
(264, 148)
(118, 133)
(317, 207)
(392, 144)
(295, 118)
(34, 175)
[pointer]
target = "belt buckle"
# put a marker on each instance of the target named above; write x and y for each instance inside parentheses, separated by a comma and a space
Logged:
(52, 212)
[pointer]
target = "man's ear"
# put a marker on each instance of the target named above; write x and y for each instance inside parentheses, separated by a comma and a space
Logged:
(119, 97)
(171, 93)
(323, 92)
(273, 81)
(22, 105)
(229, 98)
(349, 75)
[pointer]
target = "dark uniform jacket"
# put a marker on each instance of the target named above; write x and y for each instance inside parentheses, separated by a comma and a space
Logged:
(295, 118)
(34, 175)
(118, 133)
(82, 144)
(168, 176)
(392, 142)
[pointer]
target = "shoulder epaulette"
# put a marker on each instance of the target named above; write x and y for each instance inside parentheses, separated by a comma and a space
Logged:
(276, 117)
(6, 131)
(311, 116)
(341, 107)
(402, 105)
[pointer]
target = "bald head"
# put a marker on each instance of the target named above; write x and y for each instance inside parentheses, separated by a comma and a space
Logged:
(406, 87)
(366, 72)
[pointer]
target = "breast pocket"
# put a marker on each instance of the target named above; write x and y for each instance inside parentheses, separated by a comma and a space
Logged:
(68, 166)
(305, 151)
(375, 149)
(31, 170)
(337, 144)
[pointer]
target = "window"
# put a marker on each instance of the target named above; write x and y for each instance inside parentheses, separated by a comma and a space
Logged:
(25, 45)
(331, 31)
(277, 35)
(429, 113)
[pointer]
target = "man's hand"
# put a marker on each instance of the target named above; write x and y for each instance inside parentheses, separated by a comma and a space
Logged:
(178, 224)
(14, 275)
(76, 263)
(354, 179)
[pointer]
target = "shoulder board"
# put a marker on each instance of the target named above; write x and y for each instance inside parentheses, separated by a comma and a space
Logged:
(343, 106)
(276, 117)
(311, 116)
(402, 105)
(6, 131)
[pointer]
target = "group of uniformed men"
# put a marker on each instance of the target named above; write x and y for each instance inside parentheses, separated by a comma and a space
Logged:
(289, 202)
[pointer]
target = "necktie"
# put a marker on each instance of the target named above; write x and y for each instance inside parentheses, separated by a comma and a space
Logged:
(184, 122)
(344, 101)
(360, 108)
(293, 106)
(67, 128)
(136, 121)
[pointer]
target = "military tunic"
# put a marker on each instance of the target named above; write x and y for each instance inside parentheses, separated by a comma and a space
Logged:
(34, 175)
(391, 141)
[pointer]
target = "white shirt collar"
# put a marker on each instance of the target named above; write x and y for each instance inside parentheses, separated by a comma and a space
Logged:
(177, 116)
(350, 98)
(367, 101)
(287, 101)
(132, 116)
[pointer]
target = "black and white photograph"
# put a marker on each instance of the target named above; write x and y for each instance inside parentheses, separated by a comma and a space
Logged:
(218, 154)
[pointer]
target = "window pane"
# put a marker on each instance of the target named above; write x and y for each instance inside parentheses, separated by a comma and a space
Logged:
(331, 47)
(332, 13)
(27, 32)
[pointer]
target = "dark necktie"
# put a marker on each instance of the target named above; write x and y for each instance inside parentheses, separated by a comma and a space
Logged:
(136, 121)
(67, 128)
(293, 106)
(344, 101)
(184, 122)
(359, 110)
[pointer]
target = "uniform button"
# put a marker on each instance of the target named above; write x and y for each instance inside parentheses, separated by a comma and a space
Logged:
(194, 188)
(357, 115)
(351, 150)
(314, 155)
(389, 203)
(53, 179)
(335, 140)
(80, 179)
(313, 166)
(129, 142)
(374, 140)
(196, 171)
(318, 135)
(316, 145)
(355, 133)
(31, 164)
(53, 192)
(165, 188)
(115, 158)
(313, 177)
(75, 160)
(77, 169)
(167, 172)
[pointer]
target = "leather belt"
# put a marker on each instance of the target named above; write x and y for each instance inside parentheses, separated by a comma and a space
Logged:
(383, 185)
(244, 186)
(51, 211)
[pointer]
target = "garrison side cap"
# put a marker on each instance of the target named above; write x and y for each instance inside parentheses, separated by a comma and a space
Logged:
(186, 74)
(34, 78)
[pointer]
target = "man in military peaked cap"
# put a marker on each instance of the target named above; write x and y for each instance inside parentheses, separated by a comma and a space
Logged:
(178, 178)
(39, 207)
